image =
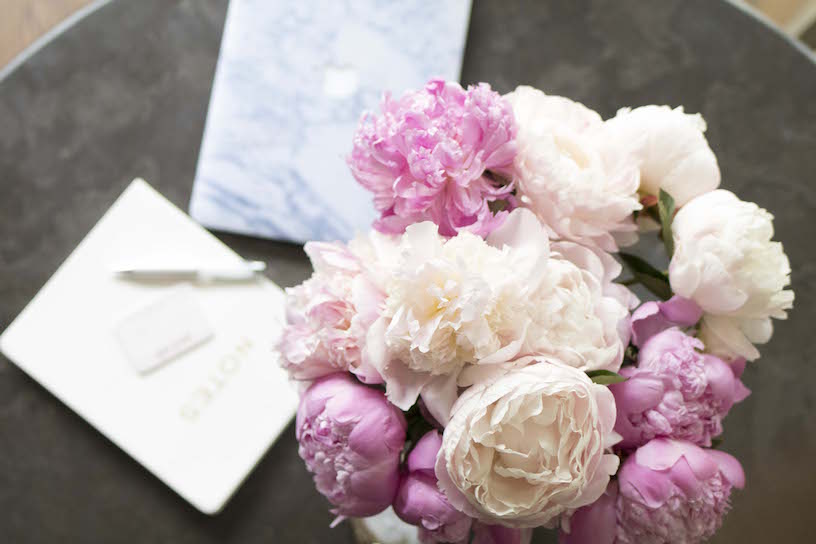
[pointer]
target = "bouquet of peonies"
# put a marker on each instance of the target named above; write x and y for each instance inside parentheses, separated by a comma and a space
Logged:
(472, 363)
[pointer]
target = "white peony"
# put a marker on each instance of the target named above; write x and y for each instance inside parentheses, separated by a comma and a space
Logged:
(526, 444)
(579, 180)
(671, 148)
(725, 261)
(460, 300)
(452, 302)
(582, 317)
(463, 301)
(603, 267)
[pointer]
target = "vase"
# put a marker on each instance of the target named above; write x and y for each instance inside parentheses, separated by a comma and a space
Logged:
(384, 528)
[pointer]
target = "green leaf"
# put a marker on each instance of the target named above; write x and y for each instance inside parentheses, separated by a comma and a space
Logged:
(665, 208)
(653, 212)
(605, 377)
(650, 277)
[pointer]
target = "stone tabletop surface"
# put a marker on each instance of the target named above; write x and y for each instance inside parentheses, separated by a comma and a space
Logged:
(123, 93)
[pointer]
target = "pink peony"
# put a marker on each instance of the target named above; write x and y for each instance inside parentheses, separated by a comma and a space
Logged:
(351, 439)
(653, 317)
(592, 524)
(328, 316)
(420, 502)
(675, 392)
(667, 491)
(426, 155)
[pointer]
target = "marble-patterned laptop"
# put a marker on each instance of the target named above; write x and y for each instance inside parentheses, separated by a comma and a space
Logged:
(292, 80)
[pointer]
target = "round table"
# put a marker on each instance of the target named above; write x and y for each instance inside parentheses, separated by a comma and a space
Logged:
(123, 93)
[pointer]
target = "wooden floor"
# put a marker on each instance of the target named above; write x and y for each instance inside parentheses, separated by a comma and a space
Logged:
(23, 21)
(795, 17)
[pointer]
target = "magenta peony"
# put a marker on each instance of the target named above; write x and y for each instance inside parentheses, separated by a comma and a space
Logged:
(351, 438)
(592, 524)
(675, 392)
(653, 317)
(420, 502)
(667, 491)
(426, 155)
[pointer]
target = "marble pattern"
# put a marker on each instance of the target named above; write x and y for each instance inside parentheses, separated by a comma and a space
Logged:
(292, 81)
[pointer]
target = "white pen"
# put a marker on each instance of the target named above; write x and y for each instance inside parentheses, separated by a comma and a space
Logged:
(244, 272)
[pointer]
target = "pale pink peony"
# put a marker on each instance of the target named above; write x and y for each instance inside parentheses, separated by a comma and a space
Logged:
(328, 316)
(668, 491)
(726, 261)
(351, 439)
(527, 444)
(671, 149)
(426, 157)
(569, 169)
(675, 392)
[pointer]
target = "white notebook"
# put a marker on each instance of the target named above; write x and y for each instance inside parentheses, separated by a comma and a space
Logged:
(202, 419)
(292, 80)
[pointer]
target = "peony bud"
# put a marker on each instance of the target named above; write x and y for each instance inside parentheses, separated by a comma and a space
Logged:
(653, 317)
(420, 502)
(351, 438)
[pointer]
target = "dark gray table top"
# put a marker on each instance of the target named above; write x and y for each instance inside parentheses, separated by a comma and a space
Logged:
(123, 93)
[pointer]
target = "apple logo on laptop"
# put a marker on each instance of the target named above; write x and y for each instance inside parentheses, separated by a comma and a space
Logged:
(339, 81)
